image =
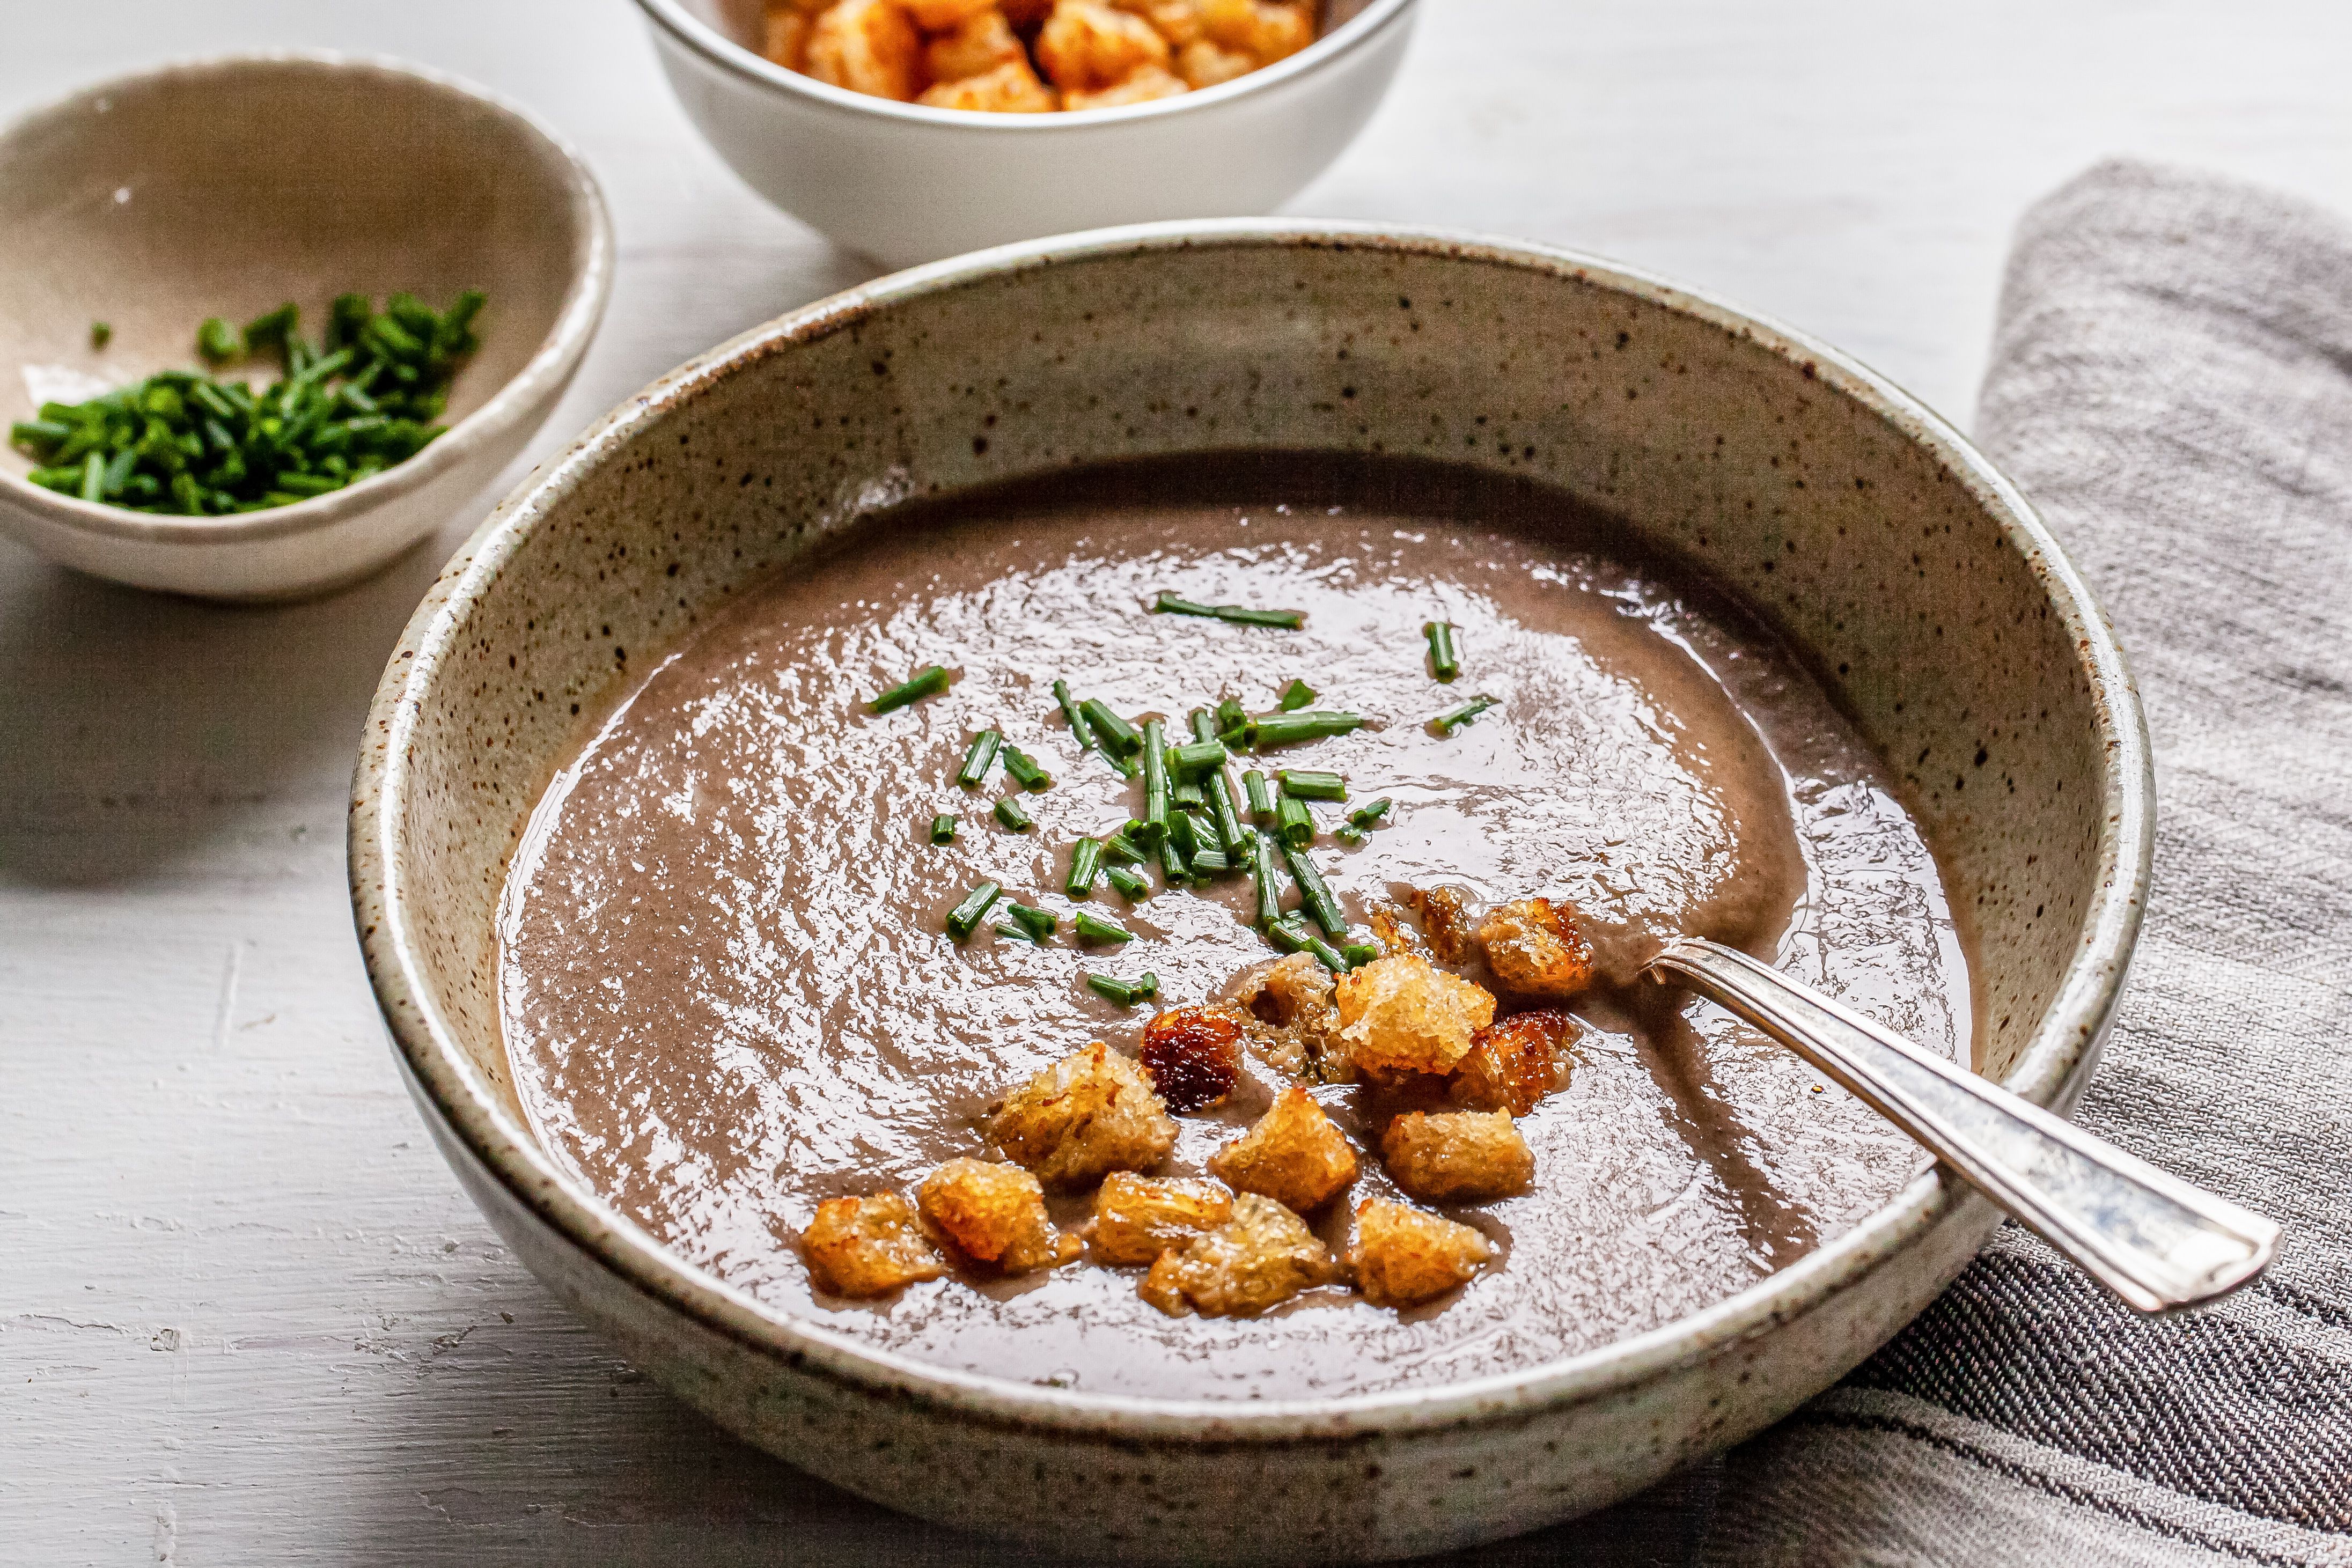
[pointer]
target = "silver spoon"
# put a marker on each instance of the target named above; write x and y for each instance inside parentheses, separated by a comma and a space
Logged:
(2152, 1238)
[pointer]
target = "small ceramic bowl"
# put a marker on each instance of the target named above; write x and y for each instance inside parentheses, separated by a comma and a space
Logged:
(904, 183)
(1897, 564)
(226, 187)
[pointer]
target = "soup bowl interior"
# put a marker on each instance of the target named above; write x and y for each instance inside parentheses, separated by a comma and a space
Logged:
(1898, 567)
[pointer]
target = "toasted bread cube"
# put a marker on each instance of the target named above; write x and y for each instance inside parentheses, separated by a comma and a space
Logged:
(1195, 1056)
(1087, 46)
(1136, 1220)
(785, 39)
(1260, 29)
(1458, 1156)
(973, 48)
(1178, 21)
(995, 1214)
(1089, 1115)
(1298, 1023)
(1514, 1062)
(941, 16)
(869, 1246)
(1536, 948)
(1445, 924)
(1293, 1154)
(1141, 84)
(1011, 89)
(1403, 1257)
(869, 46)
(1259, 1259)
(1404, 1014)
(1202, 64)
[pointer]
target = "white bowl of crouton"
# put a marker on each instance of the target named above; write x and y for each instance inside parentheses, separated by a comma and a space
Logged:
(913, 130)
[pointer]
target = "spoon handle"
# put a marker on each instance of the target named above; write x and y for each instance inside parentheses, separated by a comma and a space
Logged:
(2154, 1240)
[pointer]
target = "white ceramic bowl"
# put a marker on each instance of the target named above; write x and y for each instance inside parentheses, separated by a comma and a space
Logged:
(224, 187)
(1894, 560)
(905, 183)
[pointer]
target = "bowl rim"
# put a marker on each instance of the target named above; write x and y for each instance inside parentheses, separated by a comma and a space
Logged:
(2049, 1071)
(566, 340)
(717, 49)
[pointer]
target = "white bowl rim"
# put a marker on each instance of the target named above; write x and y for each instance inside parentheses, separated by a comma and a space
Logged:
(724, 52)
(2059, 1054)
(575, 322)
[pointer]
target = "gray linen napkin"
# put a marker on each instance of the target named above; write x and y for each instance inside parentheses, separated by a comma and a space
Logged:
(2171, 384)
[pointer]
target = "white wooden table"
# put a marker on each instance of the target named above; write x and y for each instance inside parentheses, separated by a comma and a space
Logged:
(245, 1316)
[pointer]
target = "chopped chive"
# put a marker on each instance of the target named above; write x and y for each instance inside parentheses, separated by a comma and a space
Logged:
(1314, 893)
(1126, 993)
(1441, 661)
(1132, 885)
(1092, 927)
(943, 829)
(1330, 957)
(1079, 730)
(1205, 726)
(927, 683)
(1293, 823)
(101, 334)
(1290, 728)
(1086, 865)
(1155, 778)
(1119, 850)
(1186, 830)
(1351, 835)
(1005, 928)
(1370, 812)
(1359, 954)
(965, 917)
(1289, 933)
(1310, 785)
(1268, 880)
(1039, 922)
(1226, 812)
(1296, 695)
(1025, 769)
(217, 340)
(1261, 794)
(1453, 719)
(1172, 869)
(1198, 757)
(979, 758)
(1231, 714)
(1124, 766)
(1187, 792)
(1208, 862)
(271, 330)
(93, 477)
(1009, 812)
(1114, 733)
(1234, 614)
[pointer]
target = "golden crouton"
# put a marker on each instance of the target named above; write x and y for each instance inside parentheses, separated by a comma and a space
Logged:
(1458, 1156)
(975, 47)
(785, 40)
(1087, 45)
(939, 16)
(1403, 1257)
(1202, 64)
(1260, 1258)
(1298, 1025)
(1404, 1014)
(1514, 1062)
(867, 46)
(1141, 84)
(1261, 28)
(1446, 923)
(1178, 21)
(1026, 13)
(1090, 1113)
(869, 1246)
(1195, 1056)
(1293, 1154)
(995, 1214)
(1136, 1220)
(1535, 948)
(1011, 89)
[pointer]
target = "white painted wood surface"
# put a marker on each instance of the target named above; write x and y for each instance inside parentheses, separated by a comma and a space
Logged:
(246, 1317)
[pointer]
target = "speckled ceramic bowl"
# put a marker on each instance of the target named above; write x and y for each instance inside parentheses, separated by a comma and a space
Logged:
(1910, 575)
